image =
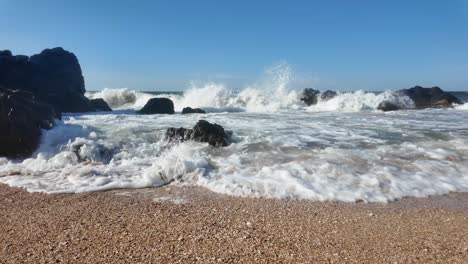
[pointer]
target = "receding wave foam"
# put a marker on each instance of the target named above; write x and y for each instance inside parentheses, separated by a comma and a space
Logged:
(335, 156)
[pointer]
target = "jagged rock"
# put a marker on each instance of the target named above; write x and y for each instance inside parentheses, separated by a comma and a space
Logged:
(387, 106)
(21, 121)
(189, 110)
(158, 106)
(99, 104)
(54, 77)
(430, 97)
(203, 131)
(311, 96)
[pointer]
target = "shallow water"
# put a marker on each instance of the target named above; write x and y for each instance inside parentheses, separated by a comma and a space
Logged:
(340, 150)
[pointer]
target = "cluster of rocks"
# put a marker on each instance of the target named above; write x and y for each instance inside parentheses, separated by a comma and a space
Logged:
(203, 131)
(311, 96)
(35, 90)
(422, 97)
(166, 106)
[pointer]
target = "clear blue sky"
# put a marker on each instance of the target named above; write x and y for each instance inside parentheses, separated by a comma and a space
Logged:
(162, 45)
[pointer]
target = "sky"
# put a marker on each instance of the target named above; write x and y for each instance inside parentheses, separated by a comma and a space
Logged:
(329, 44)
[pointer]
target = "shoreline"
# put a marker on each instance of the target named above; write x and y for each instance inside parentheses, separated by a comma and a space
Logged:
(181, 224)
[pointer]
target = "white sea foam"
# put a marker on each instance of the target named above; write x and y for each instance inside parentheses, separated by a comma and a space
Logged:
(339, 150)
(462, 107)
(122, 98)
(361, 101)
(369, 156)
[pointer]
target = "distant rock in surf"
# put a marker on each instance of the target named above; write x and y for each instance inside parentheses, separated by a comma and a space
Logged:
(429, 97)
(189, 110)
(54, 77)
(387, 106)
(327, 95)
(311, 96)
(99, 104)
(158, 106)
(203, 131)
(21, 121)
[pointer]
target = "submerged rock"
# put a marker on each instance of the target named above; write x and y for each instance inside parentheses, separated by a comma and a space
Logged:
(21, 121)
(189, 110)
(311, 96)
(99, 104)
(54, 77)
(429, 97)
(158, 106)
(203, 131)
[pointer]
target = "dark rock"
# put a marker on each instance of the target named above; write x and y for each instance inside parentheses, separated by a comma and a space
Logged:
(158, 106)
(99, 104)
(54, 76)
(189, 110)
(327, 95)
(309, 96)
(21, 121)
(430, 97)
(388, 106)
(6, 53)
(203, 131)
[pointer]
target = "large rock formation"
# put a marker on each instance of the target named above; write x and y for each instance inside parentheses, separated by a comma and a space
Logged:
(158, 106)
(21, 121)
(54, 76)
(203, 131)
(422, 98)
(189, 110)
(430, 97)
(311, 96)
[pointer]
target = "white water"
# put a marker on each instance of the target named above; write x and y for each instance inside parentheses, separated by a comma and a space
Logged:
(339, 150)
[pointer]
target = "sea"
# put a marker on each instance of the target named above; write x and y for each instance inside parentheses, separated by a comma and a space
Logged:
(343, 149)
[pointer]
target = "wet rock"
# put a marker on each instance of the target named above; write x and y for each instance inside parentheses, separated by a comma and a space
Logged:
(327, 95)
(189, 110)
(158, 106)
(430, 97)
(203, 131)
(54, 77)
(21, 120)
(99, 104)
(311, 96)
(387, 106)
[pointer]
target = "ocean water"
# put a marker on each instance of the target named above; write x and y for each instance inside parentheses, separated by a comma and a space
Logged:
(340, 150)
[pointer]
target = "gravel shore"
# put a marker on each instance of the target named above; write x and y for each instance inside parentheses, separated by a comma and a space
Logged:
(173, 224)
